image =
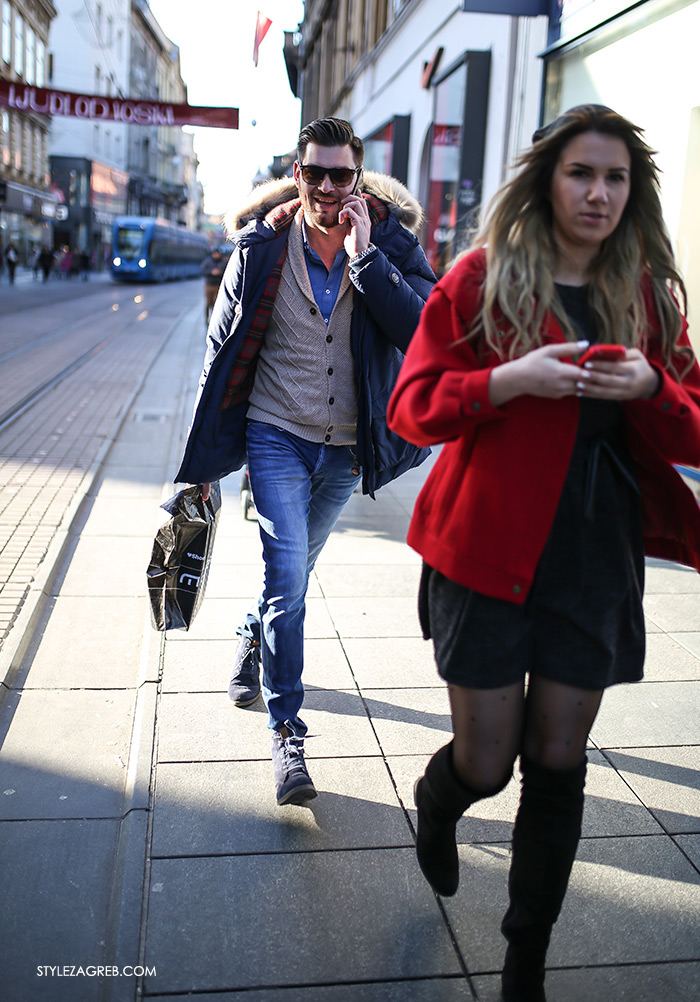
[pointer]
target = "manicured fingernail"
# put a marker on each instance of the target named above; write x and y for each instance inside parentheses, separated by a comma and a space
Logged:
(588, 365)
(582, 344)
(580, 386)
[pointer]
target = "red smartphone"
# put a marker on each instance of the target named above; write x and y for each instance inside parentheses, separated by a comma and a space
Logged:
(603, 353)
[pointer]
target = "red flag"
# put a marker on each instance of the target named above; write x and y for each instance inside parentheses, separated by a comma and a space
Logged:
(262, 26)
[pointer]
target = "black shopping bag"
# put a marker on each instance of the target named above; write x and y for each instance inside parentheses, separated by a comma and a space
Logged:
(179, 567)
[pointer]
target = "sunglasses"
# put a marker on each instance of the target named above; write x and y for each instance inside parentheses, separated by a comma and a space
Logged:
(341, 177)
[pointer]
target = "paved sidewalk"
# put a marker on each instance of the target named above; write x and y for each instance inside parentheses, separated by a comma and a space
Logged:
(137, 814)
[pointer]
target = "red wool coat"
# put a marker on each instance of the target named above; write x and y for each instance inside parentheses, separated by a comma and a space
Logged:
(487, 507)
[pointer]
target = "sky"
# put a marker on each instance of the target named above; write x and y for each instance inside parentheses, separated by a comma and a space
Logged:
(216, 38)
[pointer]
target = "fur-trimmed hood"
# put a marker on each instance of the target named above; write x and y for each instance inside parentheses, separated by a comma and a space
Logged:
(270, 194)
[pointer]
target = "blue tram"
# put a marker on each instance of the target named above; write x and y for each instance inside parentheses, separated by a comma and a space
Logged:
(146, 249)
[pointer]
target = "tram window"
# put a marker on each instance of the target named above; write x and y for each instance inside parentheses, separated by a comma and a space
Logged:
(129, 244)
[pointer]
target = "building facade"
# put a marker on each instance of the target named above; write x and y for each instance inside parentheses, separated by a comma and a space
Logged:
(443, 97)
(104, 169)
(27, 207)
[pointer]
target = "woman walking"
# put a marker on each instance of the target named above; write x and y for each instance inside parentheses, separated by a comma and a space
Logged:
(556, 478)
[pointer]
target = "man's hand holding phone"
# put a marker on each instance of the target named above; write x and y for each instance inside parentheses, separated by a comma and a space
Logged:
(355, 214)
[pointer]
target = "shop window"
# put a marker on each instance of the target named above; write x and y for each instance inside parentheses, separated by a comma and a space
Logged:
(456, 158)
(386, 150)
(5, 137)
(6, 31)
(30, 75)
(40, 63)
(19, 44)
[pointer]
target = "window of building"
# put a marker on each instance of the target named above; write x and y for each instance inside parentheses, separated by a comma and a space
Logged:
(38, 153)
(98, 22)
(457, 145)
(19, 44)
(5, 137)
(30, 74)
(98, 79)
(40, 63)
(6, 31)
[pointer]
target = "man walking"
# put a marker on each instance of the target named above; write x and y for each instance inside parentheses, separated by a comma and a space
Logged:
(319, 301)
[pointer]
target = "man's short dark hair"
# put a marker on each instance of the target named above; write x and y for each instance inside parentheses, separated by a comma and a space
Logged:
(330, 132)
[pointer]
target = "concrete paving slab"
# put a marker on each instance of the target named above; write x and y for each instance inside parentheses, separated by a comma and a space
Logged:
(445, 989)
(207, 727)
(612, 808)
(131, 482)
(344, 549)
(56, 879)
(205, 665)
(667, 781)
(674, 613)
(105, 645)
(362, 916)
(628, 983)
(690, 844)
(235, 580)
(65, 754)
(369, 581)
(630, 900)
(108, 566)
(121, 517)
(490, 820)
(391, 662)
(129, 454)
(661, 577)
(374, 616)
(217, 619)
(669, 659)
(216, 808)
(689, 641)
(648, 713)
(415, 719)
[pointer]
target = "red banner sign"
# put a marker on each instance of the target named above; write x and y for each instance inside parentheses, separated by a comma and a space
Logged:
(97, 108)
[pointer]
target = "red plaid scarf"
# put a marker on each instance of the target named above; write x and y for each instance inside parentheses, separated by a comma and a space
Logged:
(239, 384)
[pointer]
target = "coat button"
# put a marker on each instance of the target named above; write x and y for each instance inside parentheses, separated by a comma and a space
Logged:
(516, 589)
(666, 405)
(395, 277)
(237, 308)
(476, 406)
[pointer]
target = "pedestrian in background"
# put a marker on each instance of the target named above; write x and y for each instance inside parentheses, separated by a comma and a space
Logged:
(554, 480)
(46, 262)
(84, 264)
(11, 259)
(319, 301)
(212, 269)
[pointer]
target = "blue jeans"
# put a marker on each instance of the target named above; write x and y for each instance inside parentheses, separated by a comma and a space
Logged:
(299, 488)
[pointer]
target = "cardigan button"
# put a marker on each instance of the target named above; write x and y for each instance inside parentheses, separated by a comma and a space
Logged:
(312, 311)
(666, 405)
(516, 589)
(476, 406)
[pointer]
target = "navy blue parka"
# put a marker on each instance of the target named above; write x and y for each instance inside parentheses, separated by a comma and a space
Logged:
(395, 285)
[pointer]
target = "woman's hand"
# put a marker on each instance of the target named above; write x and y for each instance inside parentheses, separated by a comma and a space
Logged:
(542, 372)
(632, 379)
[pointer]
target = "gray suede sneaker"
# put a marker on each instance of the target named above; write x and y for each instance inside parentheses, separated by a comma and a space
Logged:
(292, 779)
(244, 687)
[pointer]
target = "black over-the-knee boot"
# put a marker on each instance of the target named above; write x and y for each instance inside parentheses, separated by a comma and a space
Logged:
(545, 837)
(442, 798)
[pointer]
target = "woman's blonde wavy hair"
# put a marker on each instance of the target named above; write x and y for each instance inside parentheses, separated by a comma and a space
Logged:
(521, 253)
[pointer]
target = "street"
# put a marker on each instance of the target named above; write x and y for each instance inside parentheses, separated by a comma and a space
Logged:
(143, 853)
(72, 355)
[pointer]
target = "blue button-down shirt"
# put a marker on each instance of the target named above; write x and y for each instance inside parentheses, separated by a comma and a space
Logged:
(325, 284)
